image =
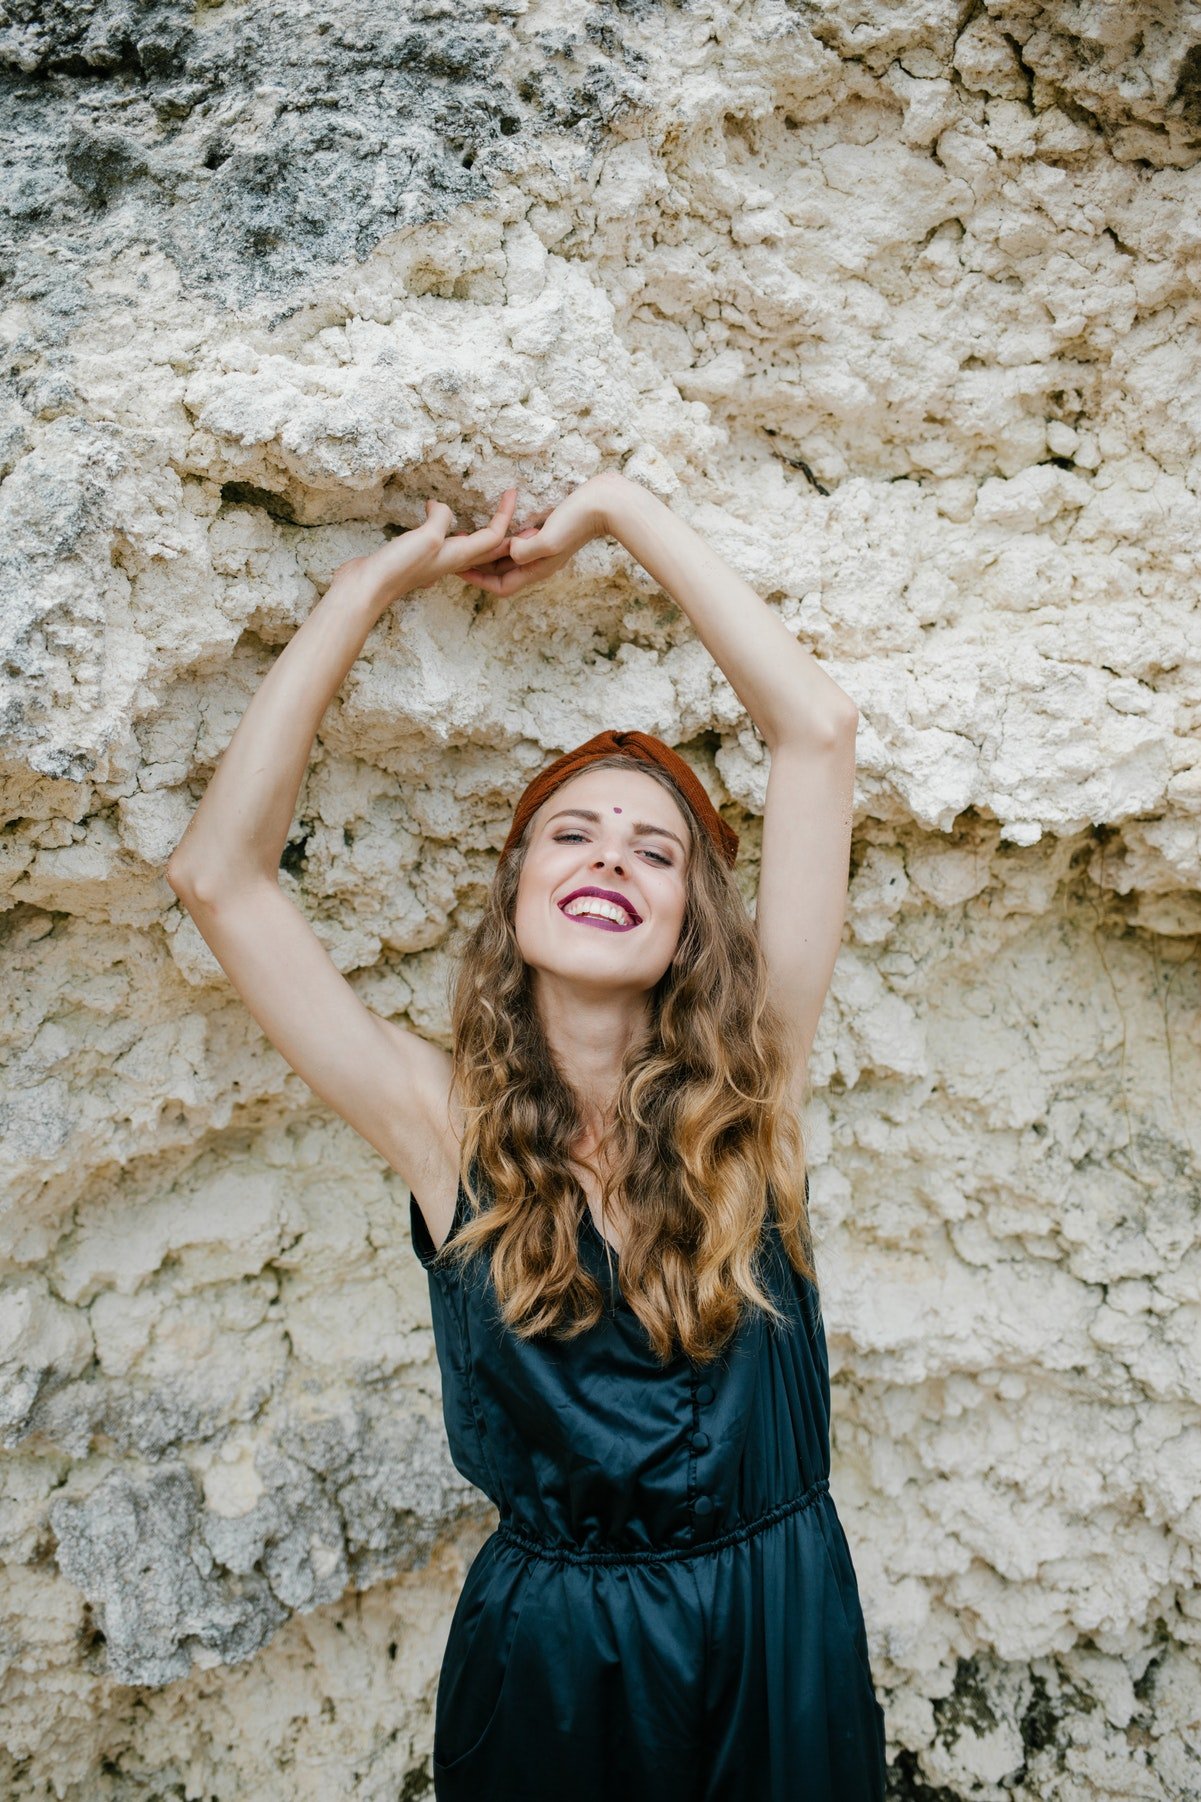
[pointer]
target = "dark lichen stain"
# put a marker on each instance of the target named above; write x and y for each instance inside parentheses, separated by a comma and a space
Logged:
(293, 855)
(905, 1784)
(1186, 95)
(246, 494)
(1041, 1719)
(968, 1704)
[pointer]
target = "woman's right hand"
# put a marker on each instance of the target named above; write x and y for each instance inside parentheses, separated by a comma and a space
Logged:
(426, 554)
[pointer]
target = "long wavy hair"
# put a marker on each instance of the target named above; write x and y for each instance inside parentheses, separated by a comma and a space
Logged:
(704, 1137)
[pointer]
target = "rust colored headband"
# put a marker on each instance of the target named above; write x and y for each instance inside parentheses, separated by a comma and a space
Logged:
(646, 749)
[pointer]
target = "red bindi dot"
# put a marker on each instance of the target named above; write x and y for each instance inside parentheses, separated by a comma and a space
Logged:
(617, 810)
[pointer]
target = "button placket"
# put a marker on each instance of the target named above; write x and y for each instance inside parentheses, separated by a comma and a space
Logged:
(700, 1441)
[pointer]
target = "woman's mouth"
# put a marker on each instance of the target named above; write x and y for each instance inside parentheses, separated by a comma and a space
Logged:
(600, 907)
(606, 925)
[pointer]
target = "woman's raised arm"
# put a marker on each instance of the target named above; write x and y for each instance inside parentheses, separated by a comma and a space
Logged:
(808, 724)
(390, 1084)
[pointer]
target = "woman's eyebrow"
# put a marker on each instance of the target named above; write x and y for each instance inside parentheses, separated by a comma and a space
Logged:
(586, 813)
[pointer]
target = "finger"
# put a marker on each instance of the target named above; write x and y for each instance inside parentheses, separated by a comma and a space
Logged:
(482, 578)
(503, 515)
(471, 554)
(502, 518)
(526, 545)
(498, 568)
(502, 581)
(502, 576)
(511, 581)
(508, 583)
(489, 538)
(493, 565)
(517, 579)
(531, 525)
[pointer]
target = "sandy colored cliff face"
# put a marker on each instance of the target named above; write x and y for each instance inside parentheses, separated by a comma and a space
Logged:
(897, 303)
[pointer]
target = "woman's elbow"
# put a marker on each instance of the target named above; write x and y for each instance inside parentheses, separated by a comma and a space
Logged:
(177, 877)
(187, 880)
(838, 726)
(214, 885)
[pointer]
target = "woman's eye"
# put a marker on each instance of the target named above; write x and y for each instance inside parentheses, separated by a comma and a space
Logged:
(566, 837)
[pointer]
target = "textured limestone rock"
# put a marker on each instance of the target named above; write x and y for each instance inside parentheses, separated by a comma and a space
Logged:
(895, 302)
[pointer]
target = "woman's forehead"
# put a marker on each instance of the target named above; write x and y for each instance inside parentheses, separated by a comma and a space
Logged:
(617, 791)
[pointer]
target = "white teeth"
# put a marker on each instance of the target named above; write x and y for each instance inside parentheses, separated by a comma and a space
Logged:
(605, 910)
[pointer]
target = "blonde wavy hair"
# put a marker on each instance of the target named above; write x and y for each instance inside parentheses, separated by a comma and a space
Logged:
(704, 1136)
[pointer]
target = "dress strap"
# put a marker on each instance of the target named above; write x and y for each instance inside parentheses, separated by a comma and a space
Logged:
(423, 1244)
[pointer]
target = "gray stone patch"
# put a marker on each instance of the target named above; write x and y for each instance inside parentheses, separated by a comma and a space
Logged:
(134, 1550)
(141, 1421)
(260, 145)
(20, 1385)
(54, 511)
(343, 1504)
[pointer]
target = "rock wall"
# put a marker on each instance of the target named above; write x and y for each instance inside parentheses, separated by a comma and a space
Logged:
(898, 303)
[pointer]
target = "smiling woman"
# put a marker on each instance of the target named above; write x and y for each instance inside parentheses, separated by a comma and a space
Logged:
(667, 1611)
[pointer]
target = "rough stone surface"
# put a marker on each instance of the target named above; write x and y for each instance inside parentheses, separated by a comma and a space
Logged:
(897, 303)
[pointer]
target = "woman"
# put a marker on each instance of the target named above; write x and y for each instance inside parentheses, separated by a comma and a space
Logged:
(608, 1196)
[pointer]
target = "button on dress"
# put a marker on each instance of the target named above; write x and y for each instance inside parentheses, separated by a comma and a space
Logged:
(667, 1610)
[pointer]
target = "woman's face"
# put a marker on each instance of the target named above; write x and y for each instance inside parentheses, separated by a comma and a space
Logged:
(610, 829)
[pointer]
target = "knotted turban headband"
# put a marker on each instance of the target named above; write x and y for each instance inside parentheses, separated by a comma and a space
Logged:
(645, 749)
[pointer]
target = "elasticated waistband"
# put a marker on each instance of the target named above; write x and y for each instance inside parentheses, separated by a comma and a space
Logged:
(556, 1552)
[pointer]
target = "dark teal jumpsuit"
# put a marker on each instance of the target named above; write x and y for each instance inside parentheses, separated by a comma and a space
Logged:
(667, 1610)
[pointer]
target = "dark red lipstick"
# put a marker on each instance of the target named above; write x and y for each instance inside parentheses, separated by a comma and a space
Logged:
(604, 894)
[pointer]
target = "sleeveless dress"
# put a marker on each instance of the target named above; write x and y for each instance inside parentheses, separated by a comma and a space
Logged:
(667, 1610)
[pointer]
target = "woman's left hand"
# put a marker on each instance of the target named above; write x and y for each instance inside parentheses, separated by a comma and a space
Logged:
(550, 540)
